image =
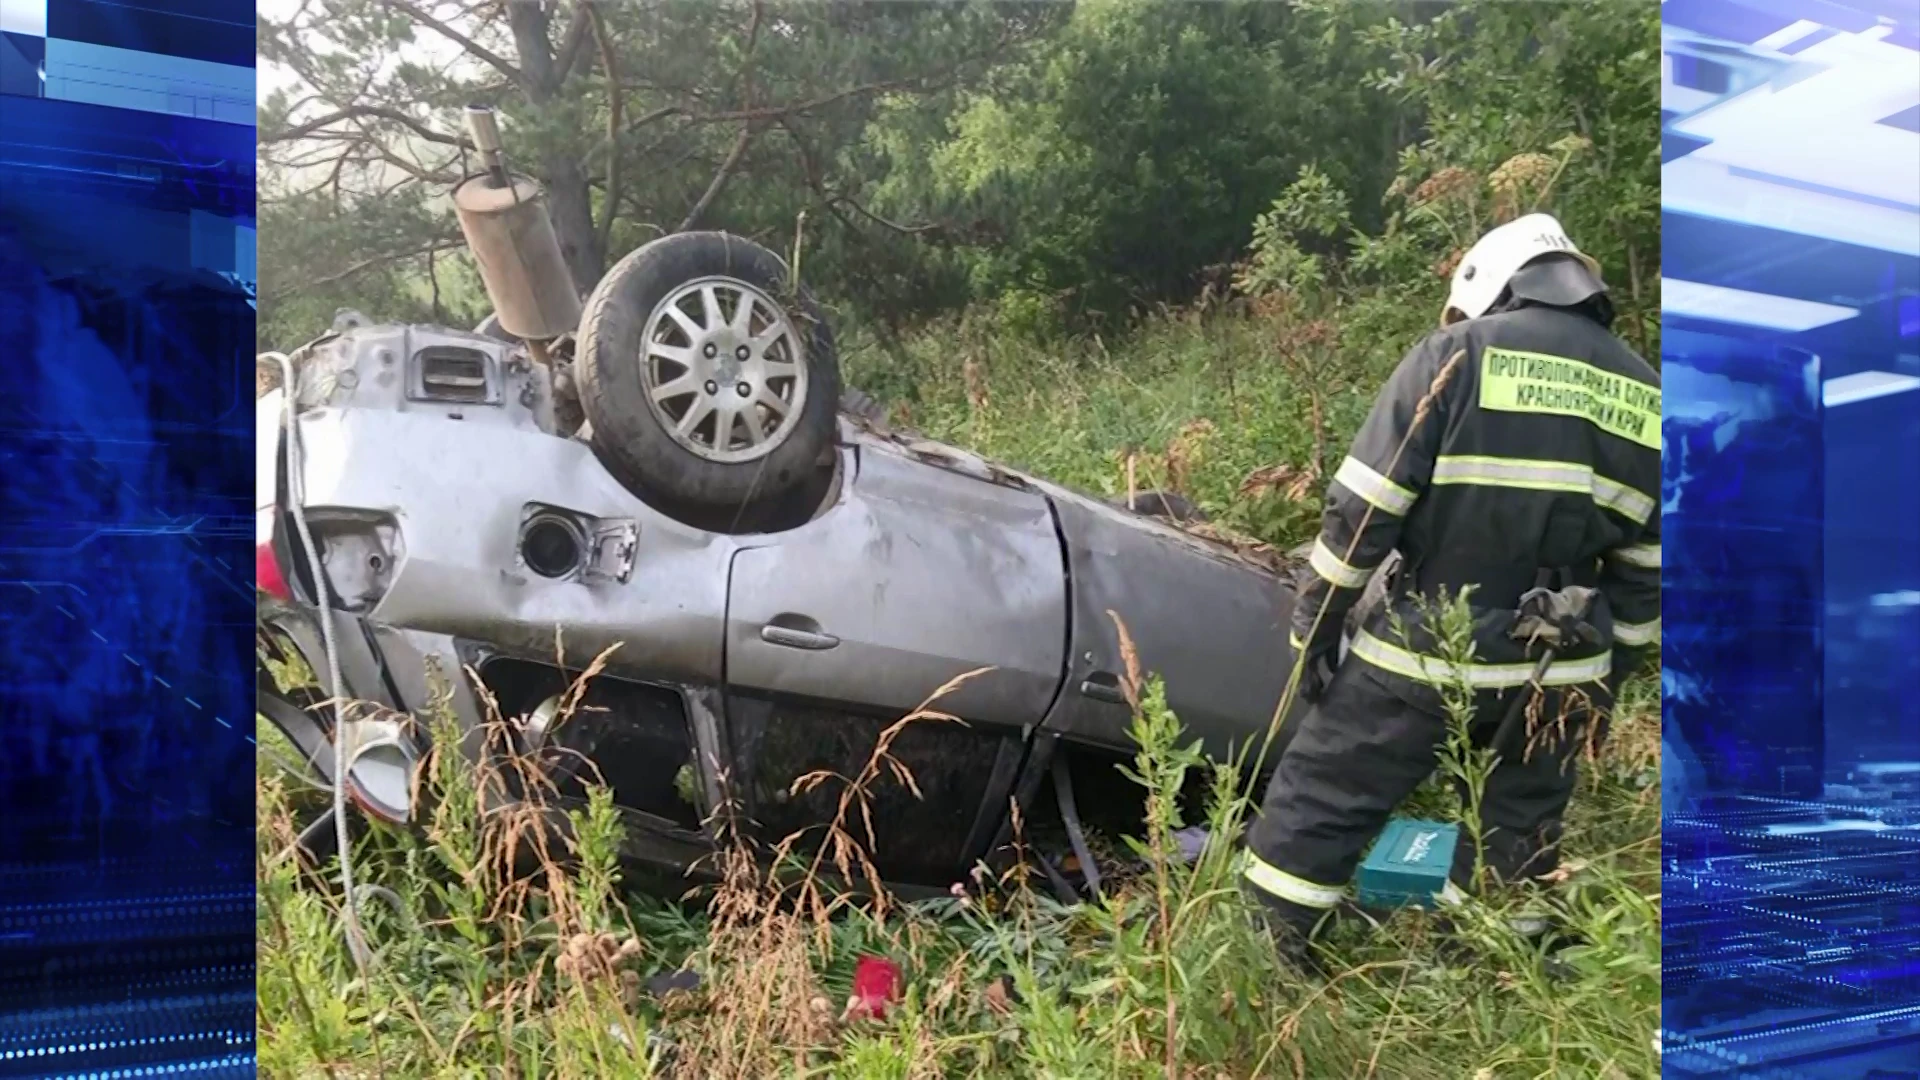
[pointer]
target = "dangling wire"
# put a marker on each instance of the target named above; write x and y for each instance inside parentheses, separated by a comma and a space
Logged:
(296, 501)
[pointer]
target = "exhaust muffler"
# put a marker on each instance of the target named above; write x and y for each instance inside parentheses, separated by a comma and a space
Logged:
(504, 218)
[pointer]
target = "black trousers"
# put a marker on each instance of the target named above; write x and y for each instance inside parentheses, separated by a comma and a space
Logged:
(1370, 741)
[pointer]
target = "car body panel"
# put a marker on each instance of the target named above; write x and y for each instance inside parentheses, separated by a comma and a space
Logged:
(1211, 625)
(459, 494)
(390, 368)
(917, 576)
(456, 479)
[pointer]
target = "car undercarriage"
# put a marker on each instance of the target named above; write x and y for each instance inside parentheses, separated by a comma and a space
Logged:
(662, 486)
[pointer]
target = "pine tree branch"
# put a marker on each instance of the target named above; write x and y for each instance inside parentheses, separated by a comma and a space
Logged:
(473, 48)
(614, 96)
(720, 178)
(357, 269)
(573, 46)
(363, 112)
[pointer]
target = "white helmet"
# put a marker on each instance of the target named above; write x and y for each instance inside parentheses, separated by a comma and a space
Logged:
(1488, 266)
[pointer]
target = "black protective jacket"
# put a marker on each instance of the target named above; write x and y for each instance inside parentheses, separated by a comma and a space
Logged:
(1524, 441)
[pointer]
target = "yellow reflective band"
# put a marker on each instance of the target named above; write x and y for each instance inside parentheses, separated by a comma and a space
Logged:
(1636, 634)
(1381, 493)
(1544, 476)
(1436, 672)
(1647, 555)
(1293, 641)
(1274, 881)
(1329, 566)
(1514, 472)
(1633, 505)
(1556, 386)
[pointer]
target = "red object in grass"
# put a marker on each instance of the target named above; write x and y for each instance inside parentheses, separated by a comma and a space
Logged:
(266, 572)
(876, 984)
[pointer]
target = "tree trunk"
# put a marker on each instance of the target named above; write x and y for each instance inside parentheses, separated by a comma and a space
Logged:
(570, 204)
(569, 197)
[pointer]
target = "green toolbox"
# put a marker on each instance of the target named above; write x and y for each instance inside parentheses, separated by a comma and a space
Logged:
(1408, 864)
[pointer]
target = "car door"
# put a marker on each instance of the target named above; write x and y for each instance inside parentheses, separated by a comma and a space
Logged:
(1211, 625)
(837, 629)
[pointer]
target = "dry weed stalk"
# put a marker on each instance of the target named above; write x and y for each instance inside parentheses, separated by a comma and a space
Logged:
(840, 847)
(1292, 482)
(517, 800)
(974, 377)
(1186, 451)
(1304, 348)
(765, 1002)
(1594, 722)
(1437, 386)
(767, 1008)
(1288, 1033)
(1546, 733)
(505, 854)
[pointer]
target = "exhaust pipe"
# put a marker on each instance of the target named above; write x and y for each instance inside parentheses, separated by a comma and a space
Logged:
(485, 131)
(504, 219)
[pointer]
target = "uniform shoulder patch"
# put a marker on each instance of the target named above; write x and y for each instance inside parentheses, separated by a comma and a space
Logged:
(1524, 382)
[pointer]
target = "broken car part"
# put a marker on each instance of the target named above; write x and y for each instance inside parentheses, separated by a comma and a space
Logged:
(1070, 815)
(342, 737)
(504, 220)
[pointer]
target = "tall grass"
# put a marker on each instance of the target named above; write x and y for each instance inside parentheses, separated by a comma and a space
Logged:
(1166, 975)
(482, 972)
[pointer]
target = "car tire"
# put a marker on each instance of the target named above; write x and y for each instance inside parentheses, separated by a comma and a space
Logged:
(666, 358)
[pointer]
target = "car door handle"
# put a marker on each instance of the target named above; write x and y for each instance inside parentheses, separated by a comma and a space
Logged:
(1104, 686)
(797, 632)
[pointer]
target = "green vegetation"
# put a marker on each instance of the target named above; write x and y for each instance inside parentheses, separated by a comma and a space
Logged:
(480, 973)
(1119, 244)
(1071, 165)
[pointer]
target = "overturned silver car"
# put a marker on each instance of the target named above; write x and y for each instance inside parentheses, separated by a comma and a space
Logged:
(672, 477)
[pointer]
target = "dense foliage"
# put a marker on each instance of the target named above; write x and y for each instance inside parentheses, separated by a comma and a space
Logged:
(1070, 165)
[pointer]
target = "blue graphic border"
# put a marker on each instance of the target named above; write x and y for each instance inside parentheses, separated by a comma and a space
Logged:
(126, 444)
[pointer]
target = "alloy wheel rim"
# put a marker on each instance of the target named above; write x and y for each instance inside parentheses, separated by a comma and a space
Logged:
(723, 370)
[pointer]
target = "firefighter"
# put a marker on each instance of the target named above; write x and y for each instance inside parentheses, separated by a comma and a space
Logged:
(1514, 451)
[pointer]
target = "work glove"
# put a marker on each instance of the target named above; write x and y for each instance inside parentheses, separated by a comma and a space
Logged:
(1317, 664)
